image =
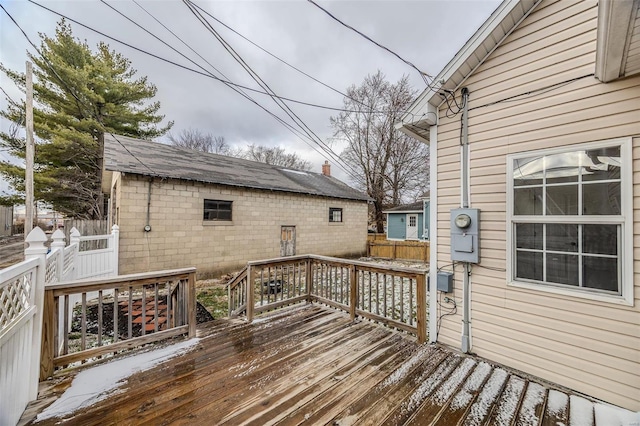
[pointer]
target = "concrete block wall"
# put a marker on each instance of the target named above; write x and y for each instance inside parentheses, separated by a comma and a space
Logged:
(179, 236)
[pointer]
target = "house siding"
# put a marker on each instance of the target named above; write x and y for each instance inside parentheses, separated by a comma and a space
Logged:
(179, 237)
(590, 346)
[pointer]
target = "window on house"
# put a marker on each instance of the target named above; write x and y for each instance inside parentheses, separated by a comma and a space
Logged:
(335, 214)
(567, 217)
(217, 210)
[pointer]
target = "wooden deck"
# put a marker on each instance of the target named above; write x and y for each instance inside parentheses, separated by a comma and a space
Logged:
(312, 365)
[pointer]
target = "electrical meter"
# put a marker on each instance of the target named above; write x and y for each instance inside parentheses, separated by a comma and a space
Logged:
(465, 233)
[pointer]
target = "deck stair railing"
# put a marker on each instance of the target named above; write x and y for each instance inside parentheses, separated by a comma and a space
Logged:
(394, 296)
(115, 314)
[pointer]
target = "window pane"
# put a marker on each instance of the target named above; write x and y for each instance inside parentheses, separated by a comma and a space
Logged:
(529, 265)
(562, 268)
(528, 171)
(601, 163)
(562, 200)
(335, 214)
(528, 201)
(600, 273)
(601, 199)
(529, 235)
(563, 167)
(217, 210)
(562, 237)
(600, 239)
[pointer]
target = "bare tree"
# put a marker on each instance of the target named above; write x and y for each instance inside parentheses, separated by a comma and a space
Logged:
(206, 142)
(389, 165)
(199, 141)
(275, 156)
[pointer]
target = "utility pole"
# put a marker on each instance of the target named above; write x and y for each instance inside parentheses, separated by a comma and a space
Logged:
(28, 181)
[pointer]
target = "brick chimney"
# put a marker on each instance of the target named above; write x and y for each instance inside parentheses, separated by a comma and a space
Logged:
(326, 168)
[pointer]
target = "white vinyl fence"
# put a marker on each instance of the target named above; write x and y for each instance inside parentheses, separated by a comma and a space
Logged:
(22, 302)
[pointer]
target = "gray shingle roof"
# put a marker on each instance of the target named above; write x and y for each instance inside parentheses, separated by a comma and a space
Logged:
(417, 206)
(136, 156)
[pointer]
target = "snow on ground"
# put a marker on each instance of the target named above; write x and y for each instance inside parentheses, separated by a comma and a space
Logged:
(97, 383)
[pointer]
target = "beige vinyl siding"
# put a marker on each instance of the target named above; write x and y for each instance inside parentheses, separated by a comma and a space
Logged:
(590, 346)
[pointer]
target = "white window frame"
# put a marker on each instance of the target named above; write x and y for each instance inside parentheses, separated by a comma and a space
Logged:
(625, 220)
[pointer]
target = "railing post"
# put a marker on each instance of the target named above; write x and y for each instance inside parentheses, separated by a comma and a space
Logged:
(191, 288)
(57, 245)
(250, 293)
(309, 278)
(37, 250)
(115, 237)
(421, 306)
(353, 292)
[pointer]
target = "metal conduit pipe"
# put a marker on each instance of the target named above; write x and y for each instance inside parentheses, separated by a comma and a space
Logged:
(464, 187)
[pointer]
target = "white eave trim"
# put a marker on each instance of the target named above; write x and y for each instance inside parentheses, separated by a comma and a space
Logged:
(614, 27)
(431, 97)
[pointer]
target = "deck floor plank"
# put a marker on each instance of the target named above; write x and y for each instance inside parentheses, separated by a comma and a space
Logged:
(312, 365)
(308, 360)
(225, 380)
(313, 379)
(331, 401)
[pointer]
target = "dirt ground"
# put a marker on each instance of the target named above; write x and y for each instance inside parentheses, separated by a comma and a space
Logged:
(212, 294)
(11, 250)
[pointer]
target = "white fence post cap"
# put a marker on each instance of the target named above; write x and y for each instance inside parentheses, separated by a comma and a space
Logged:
(74, 232)
(58, 239)
(115, 228)
(36, 240)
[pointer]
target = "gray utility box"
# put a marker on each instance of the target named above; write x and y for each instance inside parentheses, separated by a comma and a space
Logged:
(465, 235)
(445, 281)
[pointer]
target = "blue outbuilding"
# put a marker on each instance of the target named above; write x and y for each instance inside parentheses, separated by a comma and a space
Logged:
(408, 222)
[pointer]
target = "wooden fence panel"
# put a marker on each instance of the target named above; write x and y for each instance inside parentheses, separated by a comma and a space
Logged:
(406, 250)
(86, 227)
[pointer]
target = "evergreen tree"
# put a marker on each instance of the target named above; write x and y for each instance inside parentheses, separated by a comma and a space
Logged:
(79, 95)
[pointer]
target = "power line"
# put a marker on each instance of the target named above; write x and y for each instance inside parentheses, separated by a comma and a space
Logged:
(279, 119)
(423, 74)
(282, 105)
(275, 56)
(138, 49)
(63, 83)
(202, 73)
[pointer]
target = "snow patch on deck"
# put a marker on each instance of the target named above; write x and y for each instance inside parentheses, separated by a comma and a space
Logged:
(402, 372)
(471, 386)
(490, 391)
(581, 411)
(532, 399)
(98, 383)
(429, 385)
(509, 400)
(615, 416)
(557, 403)
(453, 382)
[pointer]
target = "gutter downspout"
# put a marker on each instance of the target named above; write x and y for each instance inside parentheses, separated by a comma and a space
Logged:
(464, 187)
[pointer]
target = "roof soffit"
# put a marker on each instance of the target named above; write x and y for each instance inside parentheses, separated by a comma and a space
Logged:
(618, 45)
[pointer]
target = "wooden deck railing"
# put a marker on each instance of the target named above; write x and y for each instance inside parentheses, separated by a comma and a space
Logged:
(115, 314)
(393, 296)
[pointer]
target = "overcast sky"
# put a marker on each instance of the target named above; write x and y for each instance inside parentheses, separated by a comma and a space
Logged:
(426, 33)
